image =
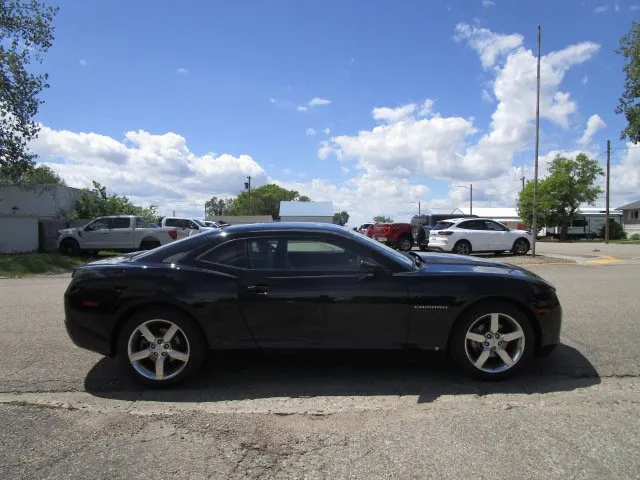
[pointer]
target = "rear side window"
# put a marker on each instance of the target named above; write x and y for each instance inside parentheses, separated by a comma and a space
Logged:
(120, 223)
(441, 225)
(171, 222)
(230, 254)
(473, 225)
(142, 222)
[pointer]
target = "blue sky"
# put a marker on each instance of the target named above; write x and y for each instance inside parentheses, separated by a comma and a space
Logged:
(173, 102)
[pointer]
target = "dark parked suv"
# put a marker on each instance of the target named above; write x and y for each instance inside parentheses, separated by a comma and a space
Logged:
(421, 226)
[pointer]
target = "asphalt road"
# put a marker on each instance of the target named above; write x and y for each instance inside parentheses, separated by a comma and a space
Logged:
(67, 413)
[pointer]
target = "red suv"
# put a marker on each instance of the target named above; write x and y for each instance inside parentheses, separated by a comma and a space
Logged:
(396, 235)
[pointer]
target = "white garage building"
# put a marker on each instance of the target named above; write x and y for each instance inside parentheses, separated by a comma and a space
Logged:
(321, 212)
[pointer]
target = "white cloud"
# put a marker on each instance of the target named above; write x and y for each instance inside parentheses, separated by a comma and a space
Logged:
(393, 115)
(288, 171)
(594, 124)
(488, 3)
(405, 145)
(148, 168)
(584, 80)
(633, 8)
(310, 132)
(489, 45)
(486, 96)
(625, 176)
(326, 131)
(182, 71)
(616, 6)
(82, 62)
(317, 101)
(302, 108)
(601, 9)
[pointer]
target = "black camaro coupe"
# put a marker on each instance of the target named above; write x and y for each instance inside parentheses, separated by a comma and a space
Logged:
(301, 286)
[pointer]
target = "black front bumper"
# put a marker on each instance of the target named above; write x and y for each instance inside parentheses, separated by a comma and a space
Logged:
(82, 331)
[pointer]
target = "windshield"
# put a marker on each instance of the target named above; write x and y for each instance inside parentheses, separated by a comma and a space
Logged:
(200, 223)
(383, 249)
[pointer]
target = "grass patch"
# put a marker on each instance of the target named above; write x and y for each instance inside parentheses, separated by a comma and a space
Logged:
(626, 242)
(20, 264)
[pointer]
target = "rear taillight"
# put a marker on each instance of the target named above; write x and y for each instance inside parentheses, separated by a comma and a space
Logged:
(173, 234)
(445, 232)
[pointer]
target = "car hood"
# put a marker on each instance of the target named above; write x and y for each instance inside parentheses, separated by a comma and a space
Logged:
(448, 263)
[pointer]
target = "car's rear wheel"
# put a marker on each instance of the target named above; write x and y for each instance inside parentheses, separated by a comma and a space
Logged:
(70, 247)
(160, 347)
(462, 248)
(520, 246)
(149, 244)
(405, 244)
(492, 341)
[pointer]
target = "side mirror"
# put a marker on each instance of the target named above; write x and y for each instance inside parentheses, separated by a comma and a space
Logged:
(367, 265)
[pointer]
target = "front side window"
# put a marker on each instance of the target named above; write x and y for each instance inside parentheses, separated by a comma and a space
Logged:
(301, 255)
(494, 226)
(99, 224)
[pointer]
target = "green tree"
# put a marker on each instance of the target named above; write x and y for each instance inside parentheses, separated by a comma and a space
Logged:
(26, 33)
(616, 231)
(40, 175)
(95, 202)
(265, 200)
(571, 182)
(214, 206)
(629, 102)
(304, 198)
(382, 219)
(341, 218)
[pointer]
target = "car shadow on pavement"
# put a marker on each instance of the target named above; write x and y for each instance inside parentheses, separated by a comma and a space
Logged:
(228, 376)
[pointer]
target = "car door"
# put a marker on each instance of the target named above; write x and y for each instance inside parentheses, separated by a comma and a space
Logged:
(498, 236)
(120, 233)
(309, 291)
(95, 235)
(475, 231)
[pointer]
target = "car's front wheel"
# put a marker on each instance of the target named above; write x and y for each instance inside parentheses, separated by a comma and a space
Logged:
(520, 246)
(492, 341)
(160, 347)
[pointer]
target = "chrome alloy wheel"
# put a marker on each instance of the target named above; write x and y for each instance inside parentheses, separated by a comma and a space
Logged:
(158, 349)
(494, 342)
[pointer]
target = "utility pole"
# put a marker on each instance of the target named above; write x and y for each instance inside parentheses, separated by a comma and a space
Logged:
(247, 185)
(535, 170)
(419, 208)
(606, 215)
(471, 199)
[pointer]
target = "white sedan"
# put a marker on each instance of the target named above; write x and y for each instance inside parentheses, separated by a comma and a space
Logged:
(466, 235)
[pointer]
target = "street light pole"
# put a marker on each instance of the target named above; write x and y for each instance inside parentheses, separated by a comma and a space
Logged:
(247, 185)
(471, 199)
(535, 170)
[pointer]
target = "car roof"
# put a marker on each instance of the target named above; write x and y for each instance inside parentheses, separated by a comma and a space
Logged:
(285, 227)
(460, 220)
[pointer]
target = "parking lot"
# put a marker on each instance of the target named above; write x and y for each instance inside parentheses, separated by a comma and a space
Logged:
(67, 412)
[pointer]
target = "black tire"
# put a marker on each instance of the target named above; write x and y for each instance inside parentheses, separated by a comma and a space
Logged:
(461, 348)
(423, 248)
(520, 246)
(405, 243)
(149, 244)
(194, 346)
(70, 247)
(462, 248)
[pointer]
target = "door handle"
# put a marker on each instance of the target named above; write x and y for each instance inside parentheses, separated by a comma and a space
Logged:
(258, 289)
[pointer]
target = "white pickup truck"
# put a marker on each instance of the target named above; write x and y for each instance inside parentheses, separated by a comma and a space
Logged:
(118, 233)
(187, 226)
